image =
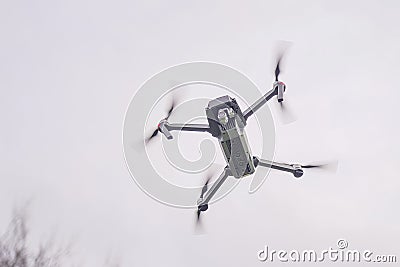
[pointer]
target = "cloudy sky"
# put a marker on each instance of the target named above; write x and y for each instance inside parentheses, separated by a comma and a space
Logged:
(69, 69)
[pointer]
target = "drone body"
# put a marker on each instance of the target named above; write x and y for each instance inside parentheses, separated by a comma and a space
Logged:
(227, 122)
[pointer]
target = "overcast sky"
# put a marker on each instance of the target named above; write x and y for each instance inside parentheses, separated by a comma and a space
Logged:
(69, 69)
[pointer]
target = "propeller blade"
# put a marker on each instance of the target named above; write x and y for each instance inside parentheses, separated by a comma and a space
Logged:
(169, 112)
(277, 69)
(199, 224)
(287, 113)
(154, 134)
(280, 50)
(330, 166)
(284, 112)
(204, 207)
(199, 229)
(171, 109)
(205, 186)
(198, 213)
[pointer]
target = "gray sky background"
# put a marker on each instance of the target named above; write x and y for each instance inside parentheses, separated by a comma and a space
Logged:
(69, 69)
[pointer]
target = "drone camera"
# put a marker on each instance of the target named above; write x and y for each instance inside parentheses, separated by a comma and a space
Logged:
(222, 117)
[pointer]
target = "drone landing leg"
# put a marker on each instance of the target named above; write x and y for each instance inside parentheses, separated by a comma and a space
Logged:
(295, 169)
(202, 202)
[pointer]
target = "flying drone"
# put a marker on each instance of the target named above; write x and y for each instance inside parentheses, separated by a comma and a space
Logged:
(227, 123)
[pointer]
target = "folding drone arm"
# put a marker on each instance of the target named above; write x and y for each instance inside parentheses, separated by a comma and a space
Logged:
(278, 89)
(165, 127)
(202, 202)
(295, 169)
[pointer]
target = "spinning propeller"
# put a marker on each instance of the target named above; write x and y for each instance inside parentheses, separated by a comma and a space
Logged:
(285, 113)
(280, 50)
(203, 207)
(277, 68)
(326, 166)
(169, 112)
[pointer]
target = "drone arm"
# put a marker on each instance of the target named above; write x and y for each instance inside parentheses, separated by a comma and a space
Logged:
(165, 128)
(259, 103)
(214, 188)
(295, 169)
(162, 127)
(187, 127)
(278, 89)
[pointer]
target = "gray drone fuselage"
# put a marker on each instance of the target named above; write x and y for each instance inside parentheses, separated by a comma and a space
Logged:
(227, 123)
